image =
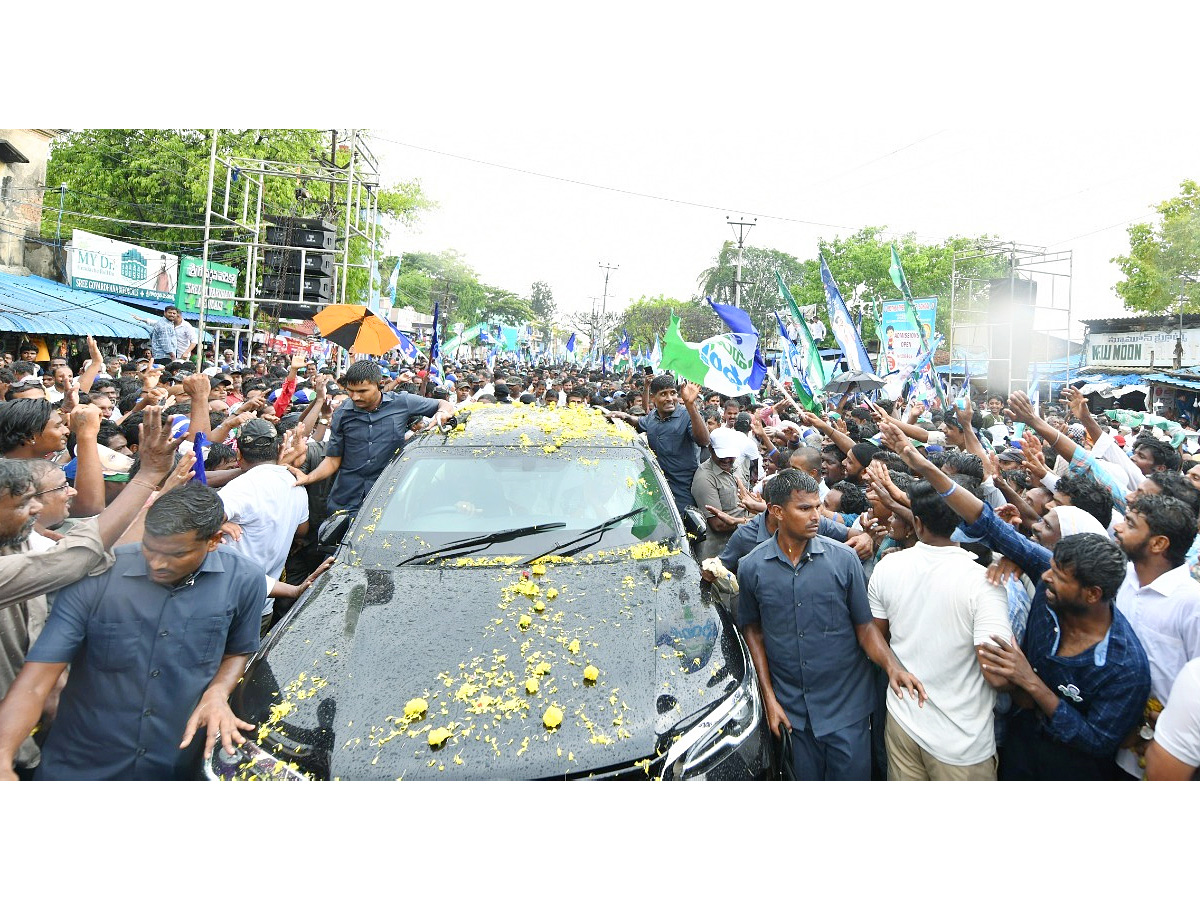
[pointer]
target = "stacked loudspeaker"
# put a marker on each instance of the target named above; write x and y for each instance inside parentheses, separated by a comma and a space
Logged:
(299, 270)
(1010, 320)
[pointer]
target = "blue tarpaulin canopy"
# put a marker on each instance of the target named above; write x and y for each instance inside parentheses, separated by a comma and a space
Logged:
(143, 303)
(33, 305)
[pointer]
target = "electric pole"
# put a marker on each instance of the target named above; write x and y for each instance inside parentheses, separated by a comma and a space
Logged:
(607, 267)
(740, 229)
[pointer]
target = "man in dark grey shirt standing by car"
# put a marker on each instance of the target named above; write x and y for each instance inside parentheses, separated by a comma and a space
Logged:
(674, 433)
(367, 433)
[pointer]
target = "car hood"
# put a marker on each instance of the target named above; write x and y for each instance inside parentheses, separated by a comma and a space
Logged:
(330, 688)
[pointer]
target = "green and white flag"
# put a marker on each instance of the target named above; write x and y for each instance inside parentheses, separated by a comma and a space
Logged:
(810, 356)
(723, 363)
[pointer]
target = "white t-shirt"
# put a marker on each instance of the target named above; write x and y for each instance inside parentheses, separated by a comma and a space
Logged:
(1178, 728)
(940, 607)
(269, 506)
(1165, 615)
(185, 336)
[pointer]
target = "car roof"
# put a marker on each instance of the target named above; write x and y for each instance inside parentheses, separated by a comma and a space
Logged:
(529, 426)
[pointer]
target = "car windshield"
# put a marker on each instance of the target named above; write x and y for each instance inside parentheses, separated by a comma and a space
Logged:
(442, 495)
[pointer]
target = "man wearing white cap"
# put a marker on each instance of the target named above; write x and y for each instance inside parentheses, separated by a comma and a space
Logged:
(715, 487)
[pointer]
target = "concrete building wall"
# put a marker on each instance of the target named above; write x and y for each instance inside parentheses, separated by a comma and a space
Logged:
(21, 197)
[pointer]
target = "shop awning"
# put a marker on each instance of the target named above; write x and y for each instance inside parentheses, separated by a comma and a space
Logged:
(33, 305)
(1186, 384)
(214, 319)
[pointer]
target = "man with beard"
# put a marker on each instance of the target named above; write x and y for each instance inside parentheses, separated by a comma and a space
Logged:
(1160, 599)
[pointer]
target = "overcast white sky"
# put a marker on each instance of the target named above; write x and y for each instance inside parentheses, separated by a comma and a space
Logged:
(1046, 126)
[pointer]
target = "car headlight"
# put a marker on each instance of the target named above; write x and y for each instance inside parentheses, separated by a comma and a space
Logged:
(729, 741)
(249, 762)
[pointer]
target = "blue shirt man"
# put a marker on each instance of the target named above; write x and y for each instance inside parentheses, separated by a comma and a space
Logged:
(804, 611)
(367, 433)
(156, 645)
(675, 433)
(163, 345)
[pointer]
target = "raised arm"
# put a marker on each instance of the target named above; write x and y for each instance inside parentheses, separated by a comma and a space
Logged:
(94, 367)
(690, 394)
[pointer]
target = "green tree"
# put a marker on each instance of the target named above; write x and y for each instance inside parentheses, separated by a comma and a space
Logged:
(1160, 253)
(161, 176)
(759, 294)
(541, 299)
(647, 317)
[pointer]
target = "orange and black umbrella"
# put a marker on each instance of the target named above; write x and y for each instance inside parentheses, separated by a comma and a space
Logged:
(356, 328)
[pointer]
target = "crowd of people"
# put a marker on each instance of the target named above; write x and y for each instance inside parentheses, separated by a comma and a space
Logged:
(926, 594)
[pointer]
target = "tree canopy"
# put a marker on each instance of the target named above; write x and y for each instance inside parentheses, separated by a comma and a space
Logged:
(161, 176)
(1160, 253)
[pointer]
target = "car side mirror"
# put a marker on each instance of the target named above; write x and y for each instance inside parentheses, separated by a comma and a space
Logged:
(333, 529)
(695, 524)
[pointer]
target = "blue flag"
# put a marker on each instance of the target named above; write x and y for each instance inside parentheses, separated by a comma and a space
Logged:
(435, 354)
(571, 343)
(623, 347)
(843, 326)
(738, 322)
(394, 280)
(407, 348)
(198, 445)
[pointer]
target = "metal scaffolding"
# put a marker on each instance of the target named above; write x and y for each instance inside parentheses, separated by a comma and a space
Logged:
(245, 210)
(971, 274)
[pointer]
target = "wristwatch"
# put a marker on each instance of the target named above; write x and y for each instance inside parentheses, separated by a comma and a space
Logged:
(322, 421)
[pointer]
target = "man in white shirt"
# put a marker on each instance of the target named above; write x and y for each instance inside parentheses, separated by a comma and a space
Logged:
(185, 338)
(1160, 598)
(936, 602)
(264, 502)
(1174, 754)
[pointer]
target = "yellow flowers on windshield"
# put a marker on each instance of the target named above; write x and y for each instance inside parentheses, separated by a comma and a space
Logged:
(591, 673)
(524, 622)
(415, 708)
(553, 717)
(438, 736)
(531, 686)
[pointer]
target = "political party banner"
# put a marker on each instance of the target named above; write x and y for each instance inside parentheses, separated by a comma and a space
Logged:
(899, 345)
(107, 266)
(724, 363)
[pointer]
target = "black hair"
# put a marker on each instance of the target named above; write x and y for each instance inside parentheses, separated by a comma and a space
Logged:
(108, 431)
(16, 476)
(780, 488)
(22, 421)
(218, 454)
(854, 498)
(23, 368)
(363, 371)
(1161, 452)
(1089, 495)
(783, 459)
(934, 512)
(190, 507)
(742, 423)
(663, 382)
(892, 461)
(1094, 561)
(1170, 518)
(964, 463)
(1178, 486)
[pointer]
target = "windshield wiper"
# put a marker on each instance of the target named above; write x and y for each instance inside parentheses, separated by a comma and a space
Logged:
(596, 531)
(484, 540)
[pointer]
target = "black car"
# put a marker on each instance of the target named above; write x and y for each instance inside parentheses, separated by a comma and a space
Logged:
(516, 599)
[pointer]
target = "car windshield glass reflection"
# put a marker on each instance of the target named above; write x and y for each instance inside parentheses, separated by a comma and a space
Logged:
(445, 498)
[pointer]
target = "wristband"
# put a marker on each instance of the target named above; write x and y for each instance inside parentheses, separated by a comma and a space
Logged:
(953, 488)
(773, 452)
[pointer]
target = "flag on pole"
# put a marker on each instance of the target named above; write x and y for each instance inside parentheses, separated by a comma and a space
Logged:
(199, 442)
(810, 357)
(656, 354)
(738, 322)
(789, 367)
(406, 346)
(394, 281)
(910, 313)
(847, 335)
(435, 355)
(723, 363)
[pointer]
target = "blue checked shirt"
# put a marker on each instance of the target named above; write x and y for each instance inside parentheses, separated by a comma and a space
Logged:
(1033, 558)
(1102, 691)
(162, 340)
